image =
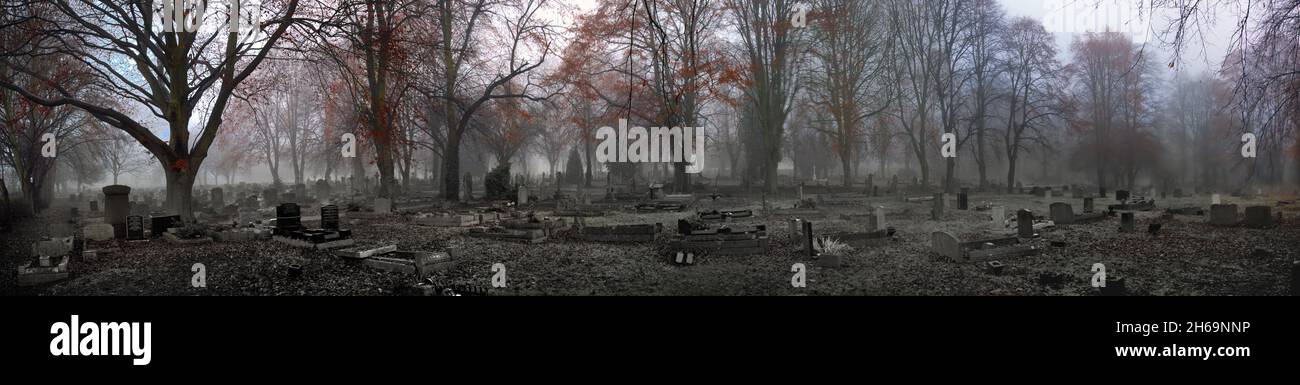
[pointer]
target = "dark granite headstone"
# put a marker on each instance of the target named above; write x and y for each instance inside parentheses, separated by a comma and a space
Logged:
(329, 217)
(963, 199)
(94, 206)
(1087, 205)
(1121, 195)
(117, 206)
(134, 228)
(218, 197)
(159, 224)
(1025, 223)
(288, 218)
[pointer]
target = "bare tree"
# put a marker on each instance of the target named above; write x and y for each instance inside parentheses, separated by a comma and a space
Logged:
(167, 71)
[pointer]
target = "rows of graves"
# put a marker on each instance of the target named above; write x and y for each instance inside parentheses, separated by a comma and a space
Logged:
(704, 233)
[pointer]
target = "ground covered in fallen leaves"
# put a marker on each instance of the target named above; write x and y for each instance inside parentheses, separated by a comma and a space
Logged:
(1188, 257)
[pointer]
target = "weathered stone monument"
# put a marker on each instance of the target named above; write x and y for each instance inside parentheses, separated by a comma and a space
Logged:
(522, 195)
(1127, 222)
(98, 232)
(1216, 199)
(134, 228)
(323, 190)
(1025, 223)
(945, 243)
(1062, 213)
(117, 205)
(299, 193)
(218, 198)
(329, 217)
(288, 218)
(937, 211)
(1121, 195)
(1223, 215)
(383, 205)
(1259, 217)
(999, 215)
(1087, 205)
(963, 199)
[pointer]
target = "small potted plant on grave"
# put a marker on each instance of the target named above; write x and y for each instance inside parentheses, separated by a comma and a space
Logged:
(831, 251)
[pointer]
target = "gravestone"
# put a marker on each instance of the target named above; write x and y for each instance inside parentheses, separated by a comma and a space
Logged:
(270, 198)
(94, 206)
(329, 217)
(98, 232)
(323, 189)
(383, 205)
(1216, 199)
(808, 239)
(159, 224)
(871, 184)
(299, 192)
(937, 211)
(1259, 217)
(946, 244)
(522, 195)
(1121, 195)
(1087, 205)
(218, 197)
(117, 206)
(53, 247)
(796, 225)
(1127, 222)
(468, 191)
(880, 219)
(1025, 223)
(1062, 213)
(134, 228)
(999, 215)
(1223, 215)
(288, 218)
(963, 199)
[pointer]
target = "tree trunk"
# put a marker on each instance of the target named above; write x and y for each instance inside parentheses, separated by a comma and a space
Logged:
(180, 193)
(1011, 174)
(846, 164)
(451, 167)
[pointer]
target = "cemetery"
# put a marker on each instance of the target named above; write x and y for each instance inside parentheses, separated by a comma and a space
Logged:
(936, 147)
(971, 243)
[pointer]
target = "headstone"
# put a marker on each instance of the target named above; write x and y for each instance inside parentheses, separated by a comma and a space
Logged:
(1223, 215)
(808, 239)
(468, 190)
(999, 215)
(1121, 195)
(383, 205)
(937, 211)
(1025, 223)
(53, 247)
(134, 228)
(117, 206)
(880, 218)
(159, 224)
(522, 198)
(873, 224)
(288, 218)
(963, 199)
(1259, 217)
(1062, 213)
(1087, 205)
(329, 217)
(946, 244)
(1216, 199)
(94, 206)
(796, 225)
(299, 192)
(218, 197)
(1127, 222)
(270, 198)
(98, 232)
(322, 189)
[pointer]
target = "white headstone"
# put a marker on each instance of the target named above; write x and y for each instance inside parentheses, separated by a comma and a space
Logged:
(880, 218)
(1215, 199)
(523, 195)
(999, 217)
(98, 232)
